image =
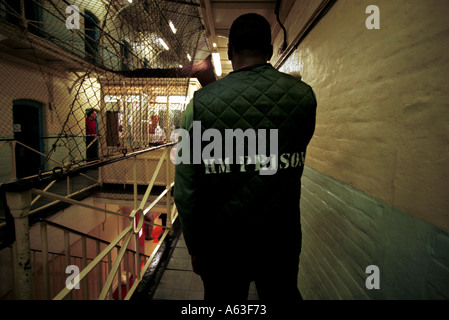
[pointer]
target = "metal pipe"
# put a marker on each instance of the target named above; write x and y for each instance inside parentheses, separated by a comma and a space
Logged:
(82, 204)
(84, 264)
(57, 201)
(319, 13)
(106, 251)
(168, 188)
(24, 183)
(99, 270)
(153, 178)
(45, 264)
(67, 253)
(115, 268)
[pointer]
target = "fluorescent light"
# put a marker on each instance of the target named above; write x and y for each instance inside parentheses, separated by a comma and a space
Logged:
(172, 26)
(109, 98)
(162, 42)
(177, 99)
(189, 57)
(172, 99)
(161, 99)
(217, 63)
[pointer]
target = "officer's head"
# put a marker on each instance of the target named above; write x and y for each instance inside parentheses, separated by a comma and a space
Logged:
(250, 35)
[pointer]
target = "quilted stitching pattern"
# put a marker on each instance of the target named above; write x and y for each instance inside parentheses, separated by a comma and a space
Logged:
(260, 98)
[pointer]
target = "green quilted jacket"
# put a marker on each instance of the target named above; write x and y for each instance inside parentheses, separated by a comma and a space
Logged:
(231, 207)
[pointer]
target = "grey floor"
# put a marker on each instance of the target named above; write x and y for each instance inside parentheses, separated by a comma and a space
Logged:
(179, 282)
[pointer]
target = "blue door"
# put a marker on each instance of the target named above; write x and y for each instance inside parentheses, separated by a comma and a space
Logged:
(91, 33)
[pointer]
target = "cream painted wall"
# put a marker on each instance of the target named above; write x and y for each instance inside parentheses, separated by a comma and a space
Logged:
(24, 80)
(382, 118)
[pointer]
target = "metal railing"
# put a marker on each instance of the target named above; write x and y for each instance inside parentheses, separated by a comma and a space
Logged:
(53, 28)
(19, 202)
(49, 268)
(66, 163)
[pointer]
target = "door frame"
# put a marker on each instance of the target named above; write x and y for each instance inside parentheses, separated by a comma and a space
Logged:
(39, 106)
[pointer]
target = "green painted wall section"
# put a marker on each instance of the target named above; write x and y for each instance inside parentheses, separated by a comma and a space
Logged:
(345, 231)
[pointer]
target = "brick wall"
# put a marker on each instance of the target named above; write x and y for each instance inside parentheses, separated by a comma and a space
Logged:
(345, 230)
(375, 191)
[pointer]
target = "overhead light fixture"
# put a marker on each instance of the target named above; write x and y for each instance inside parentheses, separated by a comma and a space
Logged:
(189, 57)
(172, 26)
(130, 1)
(162, 42)
(171, 99)
(217, 63)
(214, 45)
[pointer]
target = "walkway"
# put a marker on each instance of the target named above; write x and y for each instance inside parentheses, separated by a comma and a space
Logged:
(179, 282)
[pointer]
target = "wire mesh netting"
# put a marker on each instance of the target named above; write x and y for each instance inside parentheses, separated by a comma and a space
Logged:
(84, 82)
(89, 80)
(70, 93)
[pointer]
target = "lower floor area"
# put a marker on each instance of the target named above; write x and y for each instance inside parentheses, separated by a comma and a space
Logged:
(179, 282)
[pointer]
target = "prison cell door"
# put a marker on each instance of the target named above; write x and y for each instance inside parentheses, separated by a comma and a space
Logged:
(27, 127)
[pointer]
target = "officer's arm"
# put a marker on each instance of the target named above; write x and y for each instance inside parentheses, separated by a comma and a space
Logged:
(186, 184)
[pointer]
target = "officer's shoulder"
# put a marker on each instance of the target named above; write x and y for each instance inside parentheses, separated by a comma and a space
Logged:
(220, 83)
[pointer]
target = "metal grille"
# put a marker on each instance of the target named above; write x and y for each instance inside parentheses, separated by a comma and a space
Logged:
(130, 62)
(62, 61)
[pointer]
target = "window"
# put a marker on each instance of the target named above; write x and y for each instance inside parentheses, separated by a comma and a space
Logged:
(33, 14)
(13, 11)
(124, 53)
(91, 35)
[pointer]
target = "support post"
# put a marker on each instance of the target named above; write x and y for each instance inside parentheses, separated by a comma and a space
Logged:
(19, 205)
(168, 184)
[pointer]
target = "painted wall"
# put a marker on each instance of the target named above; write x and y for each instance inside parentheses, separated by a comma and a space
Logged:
(382, 132)
(23, 80)
(382, 121)
(88, 221)
(346, 230)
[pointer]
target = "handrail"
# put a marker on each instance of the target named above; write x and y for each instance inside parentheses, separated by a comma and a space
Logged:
(120, 243)
(64, 292)
(22, 184)
(19, 191)
(65, 199)
(60, 254)
(88, 236)
(71, 201)
(54, 137)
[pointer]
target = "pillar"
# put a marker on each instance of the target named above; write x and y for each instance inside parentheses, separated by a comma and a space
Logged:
(19, 205)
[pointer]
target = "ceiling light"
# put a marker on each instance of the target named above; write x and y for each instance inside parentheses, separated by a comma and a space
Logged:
(189, 57)
(214, 45)
(162, 42)
(217, 63)
(172, 26)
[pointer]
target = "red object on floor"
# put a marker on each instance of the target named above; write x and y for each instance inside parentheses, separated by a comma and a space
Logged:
(123, 288)
(157, 231)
